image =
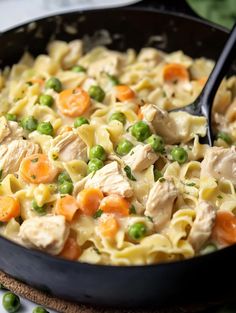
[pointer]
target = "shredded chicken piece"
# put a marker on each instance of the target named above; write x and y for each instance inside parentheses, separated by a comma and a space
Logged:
(160, 202)
(110, 179)
(202, 225)
(140, 158)
(10, 130)
(12, 154)
(47, 233)
(69, 146)
(220, 163)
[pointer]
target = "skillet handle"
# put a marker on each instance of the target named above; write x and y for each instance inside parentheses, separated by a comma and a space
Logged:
(175, 6)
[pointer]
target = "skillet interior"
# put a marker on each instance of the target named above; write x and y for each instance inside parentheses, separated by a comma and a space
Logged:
(186, 281)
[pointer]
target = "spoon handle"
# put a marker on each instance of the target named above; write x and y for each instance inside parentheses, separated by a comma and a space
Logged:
(221, 68)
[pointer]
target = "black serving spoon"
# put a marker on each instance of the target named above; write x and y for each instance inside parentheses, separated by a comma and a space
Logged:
(202, 106)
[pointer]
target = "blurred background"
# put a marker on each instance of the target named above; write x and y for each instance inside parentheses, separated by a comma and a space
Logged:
(219, 11)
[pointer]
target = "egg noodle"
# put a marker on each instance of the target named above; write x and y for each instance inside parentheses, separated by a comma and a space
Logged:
(94, 168)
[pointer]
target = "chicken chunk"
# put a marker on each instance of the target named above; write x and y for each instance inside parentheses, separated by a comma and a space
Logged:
(140, 158)
(46, 233)
(174, 127)
(220, 163)
(69, 146)
(13, 153)
(202, 225)
(9, 131)
(110, 179)
(160, 203)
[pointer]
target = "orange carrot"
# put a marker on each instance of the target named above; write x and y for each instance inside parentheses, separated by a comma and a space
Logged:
(108, 227)
(71, 250)
(115, 204)
(64, 129)
(175, 72)
(9, 208)
(67, 206)
(37, 169)
(89, 200)
(140, 114)
(124, 93)
(202, 81)
(73, 102)
(224, 230)
(38, 81)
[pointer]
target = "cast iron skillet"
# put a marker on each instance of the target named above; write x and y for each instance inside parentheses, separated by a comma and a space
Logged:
(202, 278)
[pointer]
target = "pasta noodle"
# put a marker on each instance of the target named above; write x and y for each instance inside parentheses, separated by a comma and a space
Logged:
(130, 182)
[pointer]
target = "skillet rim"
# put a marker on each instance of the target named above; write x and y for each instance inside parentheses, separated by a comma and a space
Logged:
(50, 258)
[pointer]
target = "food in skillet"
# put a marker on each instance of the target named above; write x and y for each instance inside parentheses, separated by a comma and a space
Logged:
(95, 169)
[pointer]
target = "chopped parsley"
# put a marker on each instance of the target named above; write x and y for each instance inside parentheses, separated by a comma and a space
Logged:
(96, 250)
(98, 213)
(150, 218)
(129, 174)
(35, 160)
(219, 197)
(190, 184)
(162, 179)
(132, 209)
(1, 171)
(33, 176)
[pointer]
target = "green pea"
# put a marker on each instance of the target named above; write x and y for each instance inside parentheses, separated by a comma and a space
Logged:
(113, 79)
(124, 147)
(29, 123)
(179, 154)
(94, 165)
(78, 69)
(39, 309)
(209, 249)
(66, 188)
(97, 93)
(137, 231)
(11, 117)
(54, 83)
(45, 128)
(63, 177)
(118, 116)
(140, 131)
(11, 302)
(157, 143)
(97, 152)
(41, 210)
(224, 136)
(157, 174)
(46, 100)
(80, 121)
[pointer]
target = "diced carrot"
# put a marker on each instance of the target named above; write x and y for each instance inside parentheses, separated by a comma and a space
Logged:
(38, 81)
(71, 250)
(115, 204)
(89, 200)
(73, 102)
(224, 230)
(37, 169)
(108, 227)
(175, 72)
(140, 114)
(9, 208)
(67, 206)
(124, 93)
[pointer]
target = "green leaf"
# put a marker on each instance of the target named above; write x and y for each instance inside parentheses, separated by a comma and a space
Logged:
(98, 213)
(129, 174)
(132, 209)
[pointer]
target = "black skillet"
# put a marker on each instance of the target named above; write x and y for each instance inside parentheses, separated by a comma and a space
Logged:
(205, 278)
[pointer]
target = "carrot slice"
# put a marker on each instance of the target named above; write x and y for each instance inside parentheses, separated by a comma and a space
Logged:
(174, 72)
(67, 206)
(202, 81)
(71, 250)
(9, 208)
(124, 93)
(140, 114)
(108, 227)
(115, 204)
(89, 200)
(224, 230)
(37, 169)
(73, 102)
(38, 81)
